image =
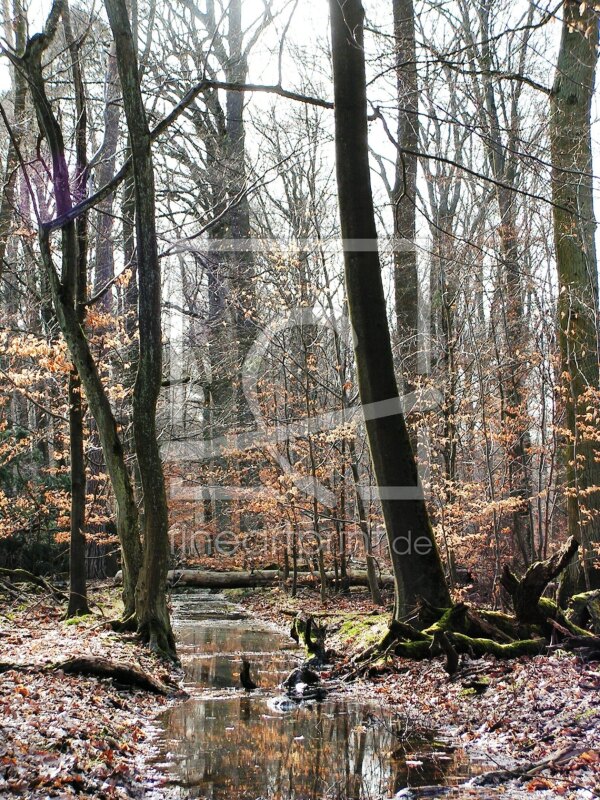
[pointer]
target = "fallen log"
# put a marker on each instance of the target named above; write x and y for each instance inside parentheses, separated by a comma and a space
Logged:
(205, 579)
(527, 771)
(119, 671)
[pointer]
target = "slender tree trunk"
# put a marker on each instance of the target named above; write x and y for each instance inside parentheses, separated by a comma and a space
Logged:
(415, 559)
(363, 524)
(106, 158)
(404, 199)
(10, 193)
(574, 232)
(153, 620)
(77, 548)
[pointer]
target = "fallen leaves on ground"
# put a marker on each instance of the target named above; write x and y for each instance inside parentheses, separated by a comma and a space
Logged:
(532, 708)
(67, 735)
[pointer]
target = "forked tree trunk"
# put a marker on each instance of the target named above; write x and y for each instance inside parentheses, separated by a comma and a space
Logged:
(574, 232)
(153, 620)
(415, 559)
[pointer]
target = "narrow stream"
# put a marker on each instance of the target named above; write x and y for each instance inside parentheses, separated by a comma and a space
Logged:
(225, 744)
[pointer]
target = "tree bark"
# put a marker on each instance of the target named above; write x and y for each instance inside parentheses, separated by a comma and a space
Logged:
(574, 232)
(77, 564)
(153, 620)
(415, 559)
(404, 199)
(62, 289)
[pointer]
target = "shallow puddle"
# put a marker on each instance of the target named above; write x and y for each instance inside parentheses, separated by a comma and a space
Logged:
(224, 743)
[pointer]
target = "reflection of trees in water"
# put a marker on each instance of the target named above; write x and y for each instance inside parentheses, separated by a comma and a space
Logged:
(214, 666)
(331, 750)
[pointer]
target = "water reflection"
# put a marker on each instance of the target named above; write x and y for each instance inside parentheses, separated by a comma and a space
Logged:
(242, 747)
(239, 748)
(211, 646)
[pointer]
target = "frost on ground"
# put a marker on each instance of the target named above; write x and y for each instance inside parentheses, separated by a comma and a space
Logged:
(63, 735)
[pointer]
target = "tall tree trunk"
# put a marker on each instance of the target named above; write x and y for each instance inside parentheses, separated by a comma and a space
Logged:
(153, 620)
(106, 159)
(9, 194)
(404, 199)
(504, 166)
(77, 563)
(415, 559)
(574, 231)
(242, 273)
(62, 292)
(239, 214)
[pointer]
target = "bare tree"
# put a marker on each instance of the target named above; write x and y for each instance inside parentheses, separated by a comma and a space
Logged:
(415, 559)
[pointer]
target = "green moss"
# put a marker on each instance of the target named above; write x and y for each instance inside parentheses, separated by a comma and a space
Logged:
(82, 620)
(363, 631)
(481, 647)
(237, 594)
(417, 651)
(451, 620)
(551, 609)
(587, 714)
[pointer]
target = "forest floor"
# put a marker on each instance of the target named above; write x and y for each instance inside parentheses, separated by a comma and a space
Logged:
(68, 735)
(512, 714)
(65, 735)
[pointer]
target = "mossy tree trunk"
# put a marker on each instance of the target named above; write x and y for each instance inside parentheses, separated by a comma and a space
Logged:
(415, 559)
(574, 232)
(151, 601)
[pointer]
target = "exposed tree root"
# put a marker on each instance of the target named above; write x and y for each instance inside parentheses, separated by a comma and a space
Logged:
(23, 576)
(120, 671)
(96, 666)
(126, 624)
(159, 638)
(463, 630)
